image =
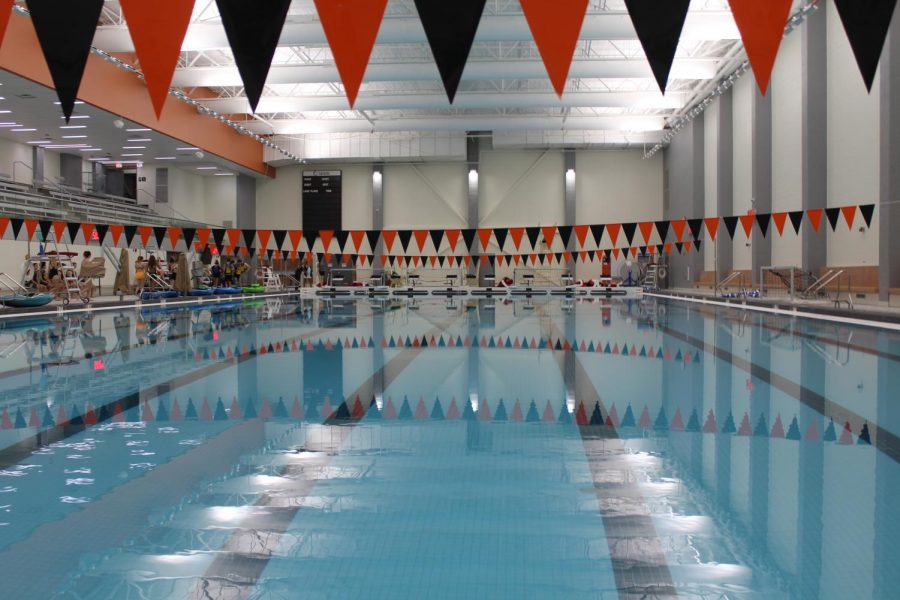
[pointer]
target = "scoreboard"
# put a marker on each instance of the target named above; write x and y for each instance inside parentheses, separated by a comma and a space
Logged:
(322, 196)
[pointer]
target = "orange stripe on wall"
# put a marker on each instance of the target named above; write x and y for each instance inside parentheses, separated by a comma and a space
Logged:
(112, 89)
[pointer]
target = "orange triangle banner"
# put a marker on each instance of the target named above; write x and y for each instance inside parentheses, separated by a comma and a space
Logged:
(158, 29)
(747, 223)
(484, 235)
(613, 234)
(452, 236)
(295, 236)
(762, 28)
(849, 213)
(145, 233)
(780, 219)
(516, 233)
(174, 235)
(678, 227)
(549, 234)
(357, 237)
(351, 27)
(421, 236)
(233, 236)
(31, 227)
(815, 218)
(326, 236)
(264, 235)
(556, 27)
(712, 227)
(388, 237)
(116, 231)
(646, 231)
(6, 8)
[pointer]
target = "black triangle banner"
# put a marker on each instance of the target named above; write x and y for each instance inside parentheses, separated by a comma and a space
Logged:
(130, 231)
(867, 211)
(533, 234)
(866, 23)
(189, 234)
(405, 236)
(373, 237)
(679, 247)
(341, 237)
(696, 227)
(469, 238)
(662, 227)
(450, 28)
(796, 220)
(731, 225)
(597, 232)
(219, 238)
(833, 215)
(565, 234)
(628, 229)
(280, 235)
(253, 30)
(101, 232)
(160, 234)
(16, 227)
(501, 233)
(249, 236)
(65, 31)
(45, 228)
(437, 238)
(658, 26)
(73, 229)
(269, 254)
(697, 245)
(763, 221)
(310, 235)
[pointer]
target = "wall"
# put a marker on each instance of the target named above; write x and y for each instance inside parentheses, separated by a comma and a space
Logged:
(618, 186)
(710, 174)
(418, 196)
(12, 152)
(743, 165)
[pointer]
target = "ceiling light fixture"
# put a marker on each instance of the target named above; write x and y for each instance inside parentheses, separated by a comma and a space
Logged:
(23, 129)
(74, 137)
(164, 158)
(140, 140)
(73, 126)
(134, 147)
(207, 168)
(187, 149)
(136, 129)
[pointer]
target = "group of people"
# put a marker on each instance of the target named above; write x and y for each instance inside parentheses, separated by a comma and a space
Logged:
(49, 277)
(148, 272)
(229, 273)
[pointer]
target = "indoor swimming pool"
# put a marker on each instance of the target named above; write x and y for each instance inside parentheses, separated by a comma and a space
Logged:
(316, 448)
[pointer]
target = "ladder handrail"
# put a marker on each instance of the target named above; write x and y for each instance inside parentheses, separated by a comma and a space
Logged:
(829, 277)
(11, 284)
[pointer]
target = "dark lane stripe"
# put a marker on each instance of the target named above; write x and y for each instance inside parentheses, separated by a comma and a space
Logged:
(884, 440)
(235, 571)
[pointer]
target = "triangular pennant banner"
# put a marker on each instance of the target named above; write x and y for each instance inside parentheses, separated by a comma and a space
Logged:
(280, 235)
(218, 236)
(867, 211)
(747, 224)
(253, 30)
(73, 229)
(763, 221)
(762, 28)
(662, 228)
(815, 218)
(866, 23)
(712, 227)
(833, 214)
(533, 234)
(780, 219)
(157, 29)
(696, 227)
(796, 220)
(469, 238)
(556, 27)
(731, 225)
(658, 26)
(351, 27)
(189, 234)
(501, 233)
(6, 7)
(65, 31)
(597, 232)
(646, 230)
(629, 229)
(450, 28)
(849, 213)
(405, 236)
(437, 238)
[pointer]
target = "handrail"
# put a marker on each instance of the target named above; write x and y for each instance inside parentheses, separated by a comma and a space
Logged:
(829, 277)
(6, 280)
(734, 275)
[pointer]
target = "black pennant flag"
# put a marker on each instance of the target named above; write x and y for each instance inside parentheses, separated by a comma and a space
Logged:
(279, 235)
(101, 232)
(796, 220)
(658, 26)
(65, 31)
(249, 235)
(763, 221)
(469, 238)
(866, 23)
(189, 234)
(450, 28)
(16, 227)
(45, 229)
(437, 238)
(533, 233)
(696, 227)
(130, 231)
(160, 234)
(833, 215)
(662, 227)
(73, 229)
(565, 233)
(679, 247)
(341, 237)
(501, 233)
(253, 30)
(597, 232)
(628, 229)
(373, 237)
(697, 245)
(219, 238)
(310, 235)
(731, 225)
(867, 211)
(405, 236)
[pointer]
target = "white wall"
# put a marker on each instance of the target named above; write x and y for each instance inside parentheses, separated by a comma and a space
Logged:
(787, 147)
(853, 148)
(426, 196)
(743, 166)
(186, 196)
(12, 152)
(219, 199)
(51, 166)
(618, 186)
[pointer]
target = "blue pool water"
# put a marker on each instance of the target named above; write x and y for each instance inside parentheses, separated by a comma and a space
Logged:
(314, 449)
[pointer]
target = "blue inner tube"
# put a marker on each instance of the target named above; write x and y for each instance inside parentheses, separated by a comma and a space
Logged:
(158, 295)
(26, 300)
(206, 292)
(227, 291)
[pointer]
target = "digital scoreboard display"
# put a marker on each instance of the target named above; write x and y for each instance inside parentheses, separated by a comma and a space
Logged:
(322, 196)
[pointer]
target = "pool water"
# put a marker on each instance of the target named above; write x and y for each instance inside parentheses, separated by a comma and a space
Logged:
(534, 449)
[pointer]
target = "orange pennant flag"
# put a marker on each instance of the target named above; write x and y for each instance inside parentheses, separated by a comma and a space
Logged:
(6, 8)
(158, 29)
(351, 27)
(452, 236)
(678, 227)
(421, 235)
(31, 227)
(233, 236)
(712, 227)
(761, 24)
(747, 223)
(116, 231)
(613, 233)
(174, 235)
(815, 218)
(484, 235)
(145, 233)
(516, 234)
(780, 219)
(646, 230)
(556, 27)
(549, 234)
(388, 236)
(264, 235)
(581, 232)
(295, 235)
(849, 213)
(59, 229)
(326, 236)
(357, 237)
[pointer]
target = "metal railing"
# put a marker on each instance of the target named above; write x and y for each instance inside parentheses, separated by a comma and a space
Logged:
(724, 284)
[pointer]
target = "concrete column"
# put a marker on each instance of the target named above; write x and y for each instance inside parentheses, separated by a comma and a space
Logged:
(37, 164)
(246, 202)
(814, 125)
(473, 159)
(570, 200)
(761, 247)
(724, 251)
(889, 213)
(685, 195)
(70, 170)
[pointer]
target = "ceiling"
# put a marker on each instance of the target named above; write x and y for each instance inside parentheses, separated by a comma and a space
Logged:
(504, 88)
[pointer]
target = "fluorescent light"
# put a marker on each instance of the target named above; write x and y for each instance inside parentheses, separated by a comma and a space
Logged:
(9, 125)
(186, 149)
(64, 146)
(76, 102)
(134, 147)
(132, 155)
(22, 130)
(78, 117)
(92, 150)
(224, 174)
(207, 168)
(165, 158)
(73, 126)
(140, 140)
(74, 137)
(5, 112)
(103, 159)
(139, 129)
(40, 142)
